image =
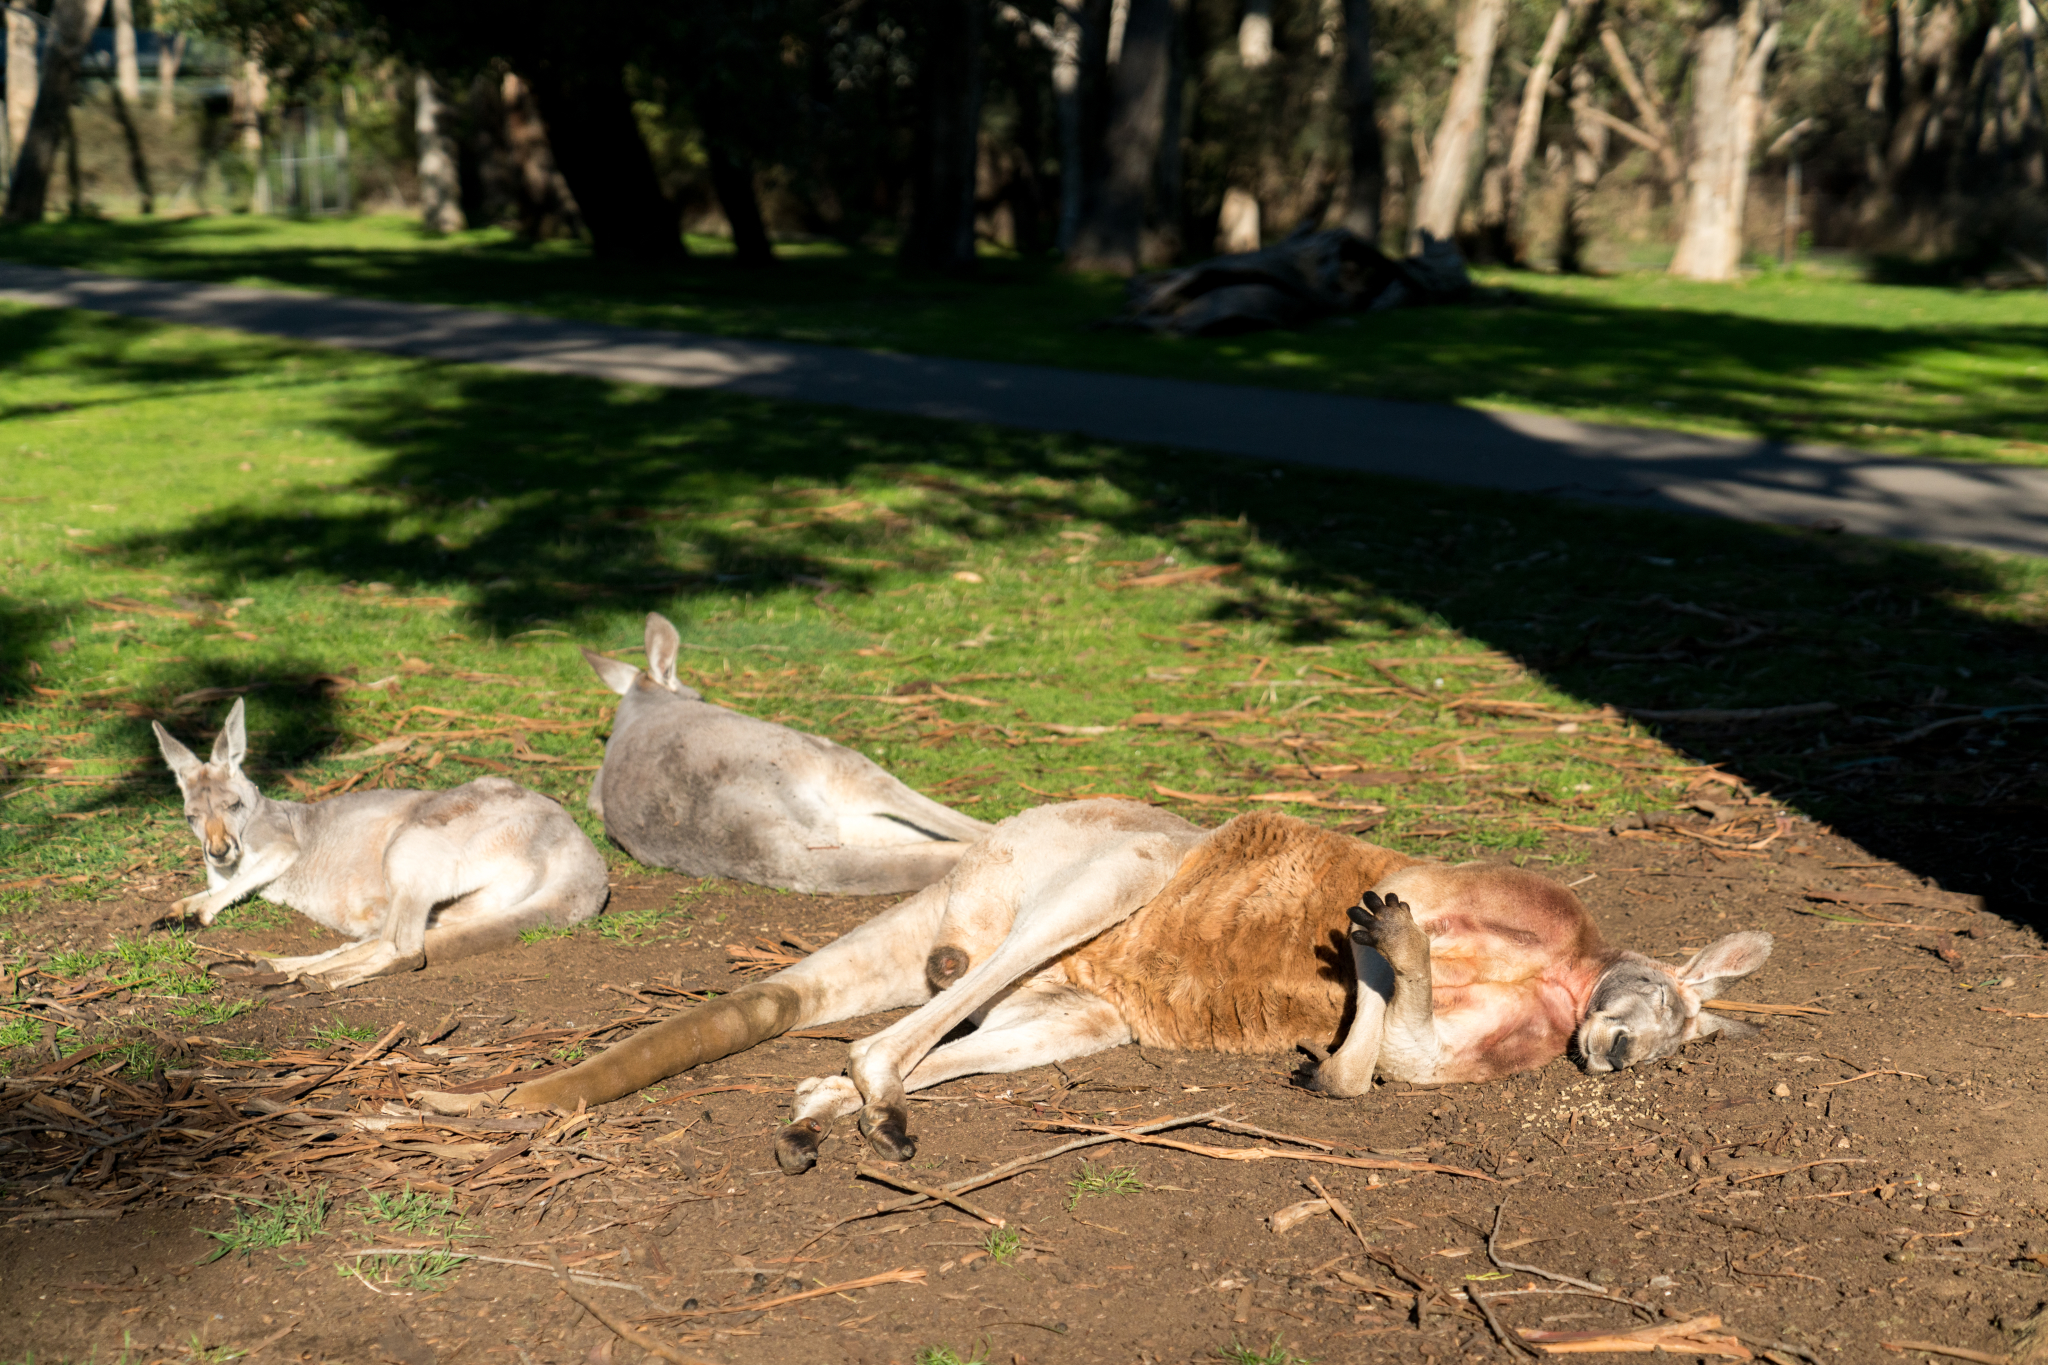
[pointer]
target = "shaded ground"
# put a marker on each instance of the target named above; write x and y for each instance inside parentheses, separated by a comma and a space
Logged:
(1924, 1220)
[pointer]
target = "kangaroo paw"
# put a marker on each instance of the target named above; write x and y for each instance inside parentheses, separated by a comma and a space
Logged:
(886, 1127)
(946, 965)
(1388, 924)
(796, 1146)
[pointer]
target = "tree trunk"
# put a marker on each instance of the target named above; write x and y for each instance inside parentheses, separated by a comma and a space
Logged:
(1450, 161)
(1255, 34)
(1647, 110)
(251, 95)
(940, 234)
(440, 177)
(598, 146)
(732, 180)
(22, 80)
(169, 57)
(1367, 188)
(1067, 34)
(1529, 120)
(138, 165)
(127, 74)
(539, 193)
(71, 26)
(1110, 233)
(1727, 101)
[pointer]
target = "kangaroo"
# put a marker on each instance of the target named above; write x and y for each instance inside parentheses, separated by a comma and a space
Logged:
(1077, 927)
(707, 791)
(412, 876)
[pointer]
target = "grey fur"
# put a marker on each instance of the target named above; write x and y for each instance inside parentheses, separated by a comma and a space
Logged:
(707, 791)
(412, 876)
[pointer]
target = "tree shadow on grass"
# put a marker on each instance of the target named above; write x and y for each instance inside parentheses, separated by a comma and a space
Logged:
(560, 503)
(1777, 378)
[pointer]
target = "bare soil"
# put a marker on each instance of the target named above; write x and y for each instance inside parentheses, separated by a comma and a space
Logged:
(1868, 1174)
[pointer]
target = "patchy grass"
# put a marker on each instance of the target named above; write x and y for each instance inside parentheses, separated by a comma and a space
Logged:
(412, 1213)
(947, 1355)
(1096, 1182)
(1906, 369)
(394, 564)
(1003, 1245)
(1237, 1353)
(297, 1216)
(340, 1033)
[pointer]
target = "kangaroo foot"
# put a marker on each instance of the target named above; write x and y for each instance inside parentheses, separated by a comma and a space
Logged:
(945, 966)
(1388, 925)
(886, 1127)
(796, 1146)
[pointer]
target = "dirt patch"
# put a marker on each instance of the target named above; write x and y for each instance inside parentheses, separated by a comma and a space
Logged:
(1866, 1174)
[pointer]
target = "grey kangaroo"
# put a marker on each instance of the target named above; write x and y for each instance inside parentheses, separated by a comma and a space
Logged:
(707, 791)
(412, 876)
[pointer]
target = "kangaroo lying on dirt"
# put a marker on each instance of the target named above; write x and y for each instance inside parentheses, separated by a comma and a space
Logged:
(412, 876)
(1077, 927)
(713, 793)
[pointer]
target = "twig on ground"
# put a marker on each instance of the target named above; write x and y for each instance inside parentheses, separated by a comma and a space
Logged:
(1786, 1347)
(590, 1280)
(1492, 1254)
(632, 1337)
(1271, 1153)
(1514, 1344)
(887, 1178)
(1005, 1171)
(1830, 1161)
(1829, 1085)
(759, 1305)
(1954, 1352)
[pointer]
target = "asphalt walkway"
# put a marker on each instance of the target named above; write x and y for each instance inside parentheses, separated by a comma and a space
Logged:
(1999, 507)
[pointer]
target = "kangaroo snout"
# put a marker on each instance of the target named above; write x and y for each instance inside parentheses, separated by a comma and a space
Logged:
(222, 848)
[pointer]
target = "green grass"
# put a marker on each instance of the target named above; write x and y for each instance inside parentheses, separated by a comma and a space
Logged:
(1907, 369)
(214, 1013)
(1237, 1353)
(546, 933)
(416, 551)
(946, 1355)
(413, 1213)
(1095, 1182)
(1003, 1245)
(296, 1217)
(340, 1033)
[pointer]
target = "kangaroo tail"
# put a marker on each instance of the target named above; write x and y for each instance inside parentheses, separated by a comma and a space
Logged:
(719, 1028)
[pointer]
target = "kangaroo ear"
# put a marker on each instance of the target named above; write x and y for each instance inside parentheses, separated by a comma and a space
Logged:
(616, 674)
(182, 760)
(231, 746)
(662, 645)
(1706, 1021)
(1725, 960)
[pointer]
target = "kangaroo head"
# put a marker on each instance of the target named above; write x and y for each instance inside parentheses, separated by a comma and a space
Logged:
(220, 800)
(1641, 1010)
(663, 643)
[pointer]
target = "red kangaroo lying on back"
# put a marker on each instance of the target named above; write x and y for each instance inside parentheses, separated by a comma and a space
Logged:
(1073, 928)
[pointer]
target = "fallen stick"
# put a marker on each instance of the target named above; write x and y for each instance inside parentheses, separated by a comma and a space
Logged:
(1830, 1161)
(1746, 1007)
(1004, 1172)
(590, 1280)
(2015, 1014)
(760, 1305)
(886, 1178)
(1955, 1352)
(1829, 1085)
(652, 1345)
(295, 1090)
(1367, 1163)
(1697, 1336)
(1493, 1254)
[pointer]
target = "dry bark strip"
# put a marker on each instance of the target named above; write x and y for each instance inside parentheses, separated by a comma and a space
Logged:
(889, 1178)
(1953, 1352)
(1367, 1163)
(899, 1276)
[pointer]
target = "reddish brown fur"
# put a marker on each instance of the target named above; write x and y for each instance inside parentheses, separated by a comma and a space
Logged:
(1513, 958)
(1247, 950)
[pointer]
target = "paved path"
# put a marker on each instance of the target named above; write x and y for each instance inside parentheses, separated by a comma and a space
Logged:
(2001, 507)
